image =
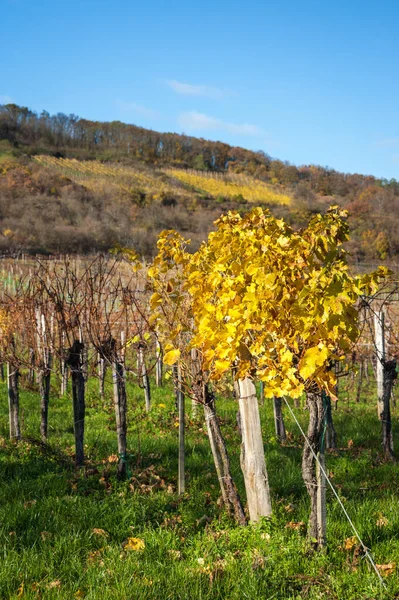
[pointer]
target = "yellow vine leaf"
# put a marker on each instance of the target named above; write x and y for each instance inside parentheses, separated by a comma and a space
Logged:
(135, 544)
(171, 357)
(312, 359)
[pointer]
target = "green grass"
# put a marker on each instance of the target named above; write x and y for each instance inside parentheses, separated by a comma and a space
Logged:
(48, 510)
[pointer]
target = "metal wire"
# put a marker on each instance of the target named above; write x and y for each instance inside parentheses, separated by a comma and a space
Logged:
(366, 550)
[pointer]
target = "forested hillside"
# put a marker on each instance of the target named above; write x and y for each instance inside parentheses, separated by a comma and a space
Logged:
(72, 185)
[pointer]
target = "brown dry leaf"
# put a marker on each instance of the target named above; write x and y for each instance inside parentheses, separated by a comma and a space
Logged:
(107, 484)
(45, 535)
(218, 570)
(295, 526)
(20, 591)
(289, 508)
(387, 569)
(382, 521)
(54, 584)
(350, 542)
(98, 531)
(350, 443)
(29, 503)
(258, 560)
(113, 458)
(94, 556)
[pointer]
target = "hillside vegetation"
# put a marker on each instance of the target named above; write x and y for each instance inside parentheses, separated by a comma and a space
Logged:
(72, 185)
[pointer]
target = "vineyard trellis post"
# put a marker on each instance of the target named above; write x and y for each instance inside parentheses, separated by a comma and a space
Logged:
(311, 472)
(253, 462)
(143, 375)
(75, 360)
(44, 355)
(120, 401)
(385, 375)
(181, 416)
(13, 400)
(158, 365)
(279, 419)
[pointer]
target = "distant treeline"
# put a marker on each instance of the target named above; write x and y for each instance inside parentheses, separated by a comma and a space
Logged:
(42, 211)
(70, 135)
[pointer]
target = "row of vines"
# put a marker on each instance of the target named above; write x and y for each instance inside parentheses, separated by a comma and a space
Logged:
(257, 304)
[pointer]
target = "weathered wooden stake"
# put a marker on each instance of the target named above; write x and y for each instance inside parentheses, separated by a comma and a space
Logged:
(385, 375)
(102, 368)
(158, 366)
(13, 401)
(321, 499)
(144, 378)
(180, 396)
(195, 374)
(44, 387)
(279, 419)
(253, 463)
(311, 472)
(74, 361)
(118, 375)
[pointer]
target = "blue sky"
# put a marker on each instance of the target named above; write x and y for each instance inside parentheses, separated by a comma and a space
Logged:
(305, 81)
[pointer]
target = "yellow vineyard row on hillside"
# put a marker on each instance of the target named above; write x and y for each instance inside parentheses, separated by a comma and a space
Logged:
(91, 173)
(230, 186)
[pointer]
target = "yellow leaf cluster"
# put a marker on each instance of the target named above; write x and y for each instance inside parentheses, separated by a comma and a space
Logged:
(261, 298)
(135, 544)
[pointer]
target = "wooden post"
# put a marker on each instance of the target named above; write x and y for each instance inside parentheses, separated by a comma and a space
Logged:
(102, 366)
(44, 387)
(78, 397)
(262, 392)
(312, 474)
(379, 330)
(253, 463)
(144, 378)
(64, 366)
(45, 364)
(386, 374)
(180, 396)
(118, 374)
(158, 365)
(360, 380)
(195, 376)
(321, 499)
(32, 360)
(279, 420)
(331, 436)
(13, 401)
(175, 384)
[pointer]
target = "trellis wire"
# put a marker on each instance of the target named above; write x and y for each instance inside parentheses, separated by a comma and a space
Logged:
(355, 531)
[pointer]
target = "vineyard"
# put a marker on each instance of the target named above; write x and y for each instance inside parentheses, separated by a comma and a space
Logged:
(230, 186)
(204, 426)
(92, 173)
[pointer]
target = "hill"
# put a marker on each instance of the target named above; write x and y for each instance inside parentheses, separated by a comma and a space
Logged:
(72, 185)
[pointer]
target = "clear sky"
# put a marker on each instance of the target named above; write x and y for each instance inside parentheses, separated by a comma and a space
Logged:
(305, 81)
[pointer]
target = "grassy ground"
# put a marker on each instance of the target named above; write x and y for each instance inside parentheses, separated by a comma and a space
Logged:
(63, 532)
